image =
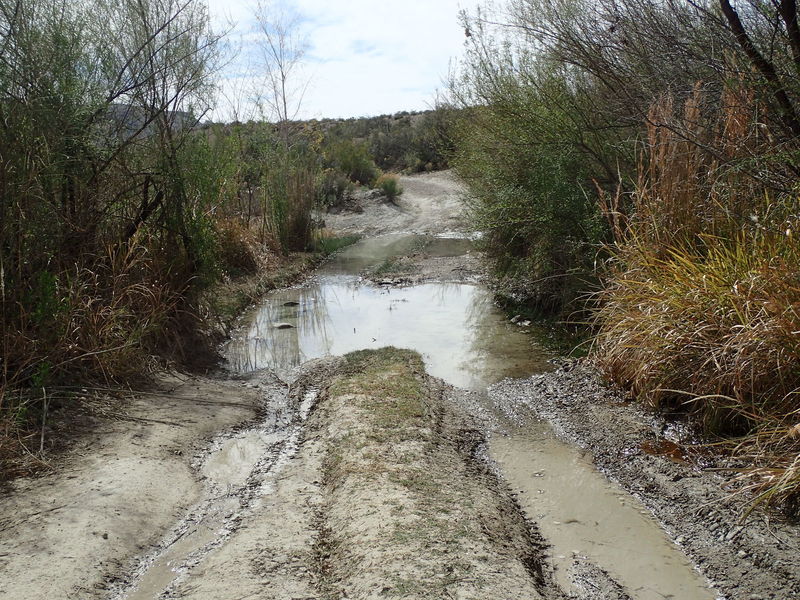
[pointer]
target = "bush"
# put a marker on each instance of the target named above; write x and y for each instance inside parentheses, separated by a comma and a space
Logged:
(529, 199)
(389, 184)
(352, 159)
(700, 308)
(332, 187)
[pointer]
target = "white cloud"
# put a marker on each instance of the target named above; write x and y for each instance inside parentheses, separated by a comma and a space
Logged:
(365, 57)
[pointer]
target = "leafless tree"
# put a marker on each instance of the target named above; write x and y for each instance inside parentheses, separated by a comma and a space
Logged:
(283, 46)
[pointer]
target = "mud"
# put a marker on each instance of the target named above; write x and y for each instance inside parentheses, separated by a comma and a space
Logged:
(753, 558)
(601, 538)
(116, 493)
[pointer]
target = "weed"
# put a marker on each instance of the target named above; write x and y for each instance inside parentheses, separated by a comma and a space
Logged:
(327, 245)
(700, 310)
(389, 184)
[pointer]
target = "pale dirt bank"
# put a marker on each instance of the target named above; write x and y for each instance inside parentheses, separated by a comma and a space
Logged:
(408, 511)
(431, 203)
(115, 492)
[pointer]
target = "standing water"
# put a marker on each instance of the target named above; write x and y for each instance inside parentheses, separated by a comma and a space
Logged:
(461, 336)
(465, 340)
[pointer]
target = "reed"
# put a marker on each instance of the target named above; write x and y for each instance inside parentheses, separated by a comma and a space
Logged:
(701, 306)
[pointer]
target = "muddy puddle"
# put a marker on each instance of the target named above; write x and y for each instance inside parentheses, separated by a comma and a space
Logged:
(586, 518)
(465, 340)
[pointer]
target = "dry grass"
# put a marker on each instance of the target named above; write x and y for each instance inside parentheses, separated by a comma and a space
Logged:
(702, 305)
(82, 326)
(389, 184)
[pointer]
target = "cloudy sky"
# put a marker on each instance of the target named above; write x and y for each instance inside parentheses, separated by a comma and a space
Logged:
(364, 57)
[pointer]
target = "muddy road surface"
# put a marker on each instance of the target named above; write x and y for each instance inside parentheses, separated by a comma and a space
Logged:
(384, 431)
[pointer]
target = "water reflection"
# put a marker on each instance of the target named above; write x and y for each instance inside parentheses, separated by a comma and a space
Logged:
(455, 327)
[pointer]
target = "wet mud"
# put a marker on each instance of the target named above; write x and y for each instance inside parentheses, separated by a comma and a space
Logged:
(753, 556)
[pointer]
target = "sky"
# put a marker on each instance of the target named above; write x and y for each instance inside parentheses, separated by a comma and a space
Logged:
(364, 57)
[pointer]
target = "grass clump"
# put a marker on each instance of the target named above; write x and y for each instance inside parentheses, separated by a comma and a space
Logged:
(701, 309)
(384, 373)
(327, 245)
(389, 184)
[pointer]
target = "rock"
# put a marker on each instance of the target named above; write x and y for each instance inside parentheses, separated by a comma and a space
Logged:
(516, 318)
(283, 326)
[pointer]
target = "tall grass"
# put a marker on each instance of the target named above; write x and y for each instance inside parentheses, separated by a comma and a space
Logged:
(701, 308)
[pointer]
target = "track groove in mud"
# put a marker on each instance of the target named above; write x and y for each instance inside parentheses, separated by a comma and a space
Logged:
(249, 460)
(758, 559)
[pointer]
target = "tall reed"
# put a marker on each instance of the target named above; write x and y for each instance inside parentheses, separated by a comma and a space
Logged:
(701, 307)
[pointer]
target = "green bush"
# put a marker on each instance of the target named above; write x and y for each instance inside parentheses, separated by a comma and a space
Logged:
(353, 160)
(332, 187)
(389, 184)
(528, 195)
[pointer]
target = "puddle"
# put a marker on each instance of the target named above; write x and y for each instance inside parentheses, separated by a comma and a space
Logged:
(462, 337)
(582, 514)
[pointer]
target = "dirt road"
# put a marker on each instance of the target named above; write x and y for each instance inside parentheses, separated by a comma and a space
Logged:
(364, 477)
(430, 203)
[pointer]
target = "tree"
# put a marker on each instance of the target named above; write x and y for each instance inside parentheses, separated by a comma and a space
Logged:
(283, 47)
(98, 101)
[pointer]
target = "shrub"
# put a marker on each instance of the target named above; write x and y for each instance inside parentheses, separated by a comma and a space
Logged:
(389, 184)
(701, 307)
(237, 246)
(332, 187)
(528, 198)
(354, 160)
